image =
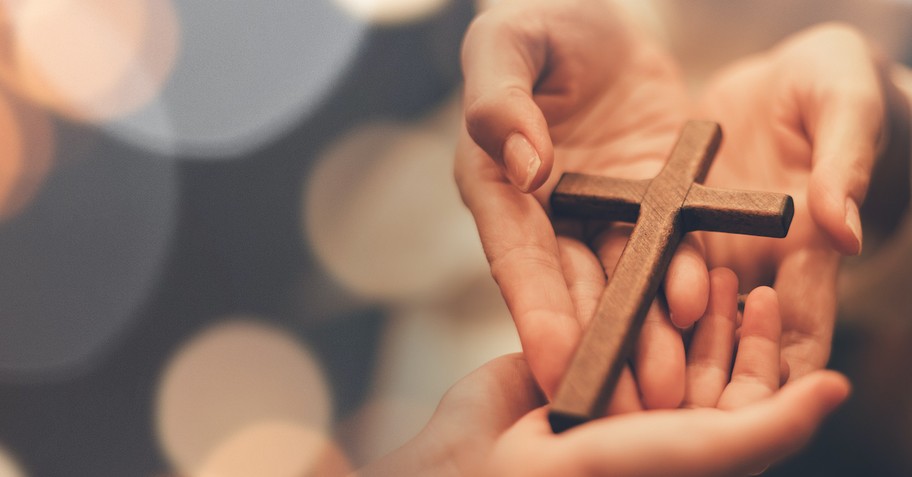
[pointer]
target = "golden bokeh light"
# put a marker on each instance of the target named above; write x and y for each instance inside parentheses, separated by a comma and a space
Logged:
(236, 374)
(422, 352)
(392, 12)
(9, 466)
(383, 214)
(26, 154)
(88, 59)
(276, 449)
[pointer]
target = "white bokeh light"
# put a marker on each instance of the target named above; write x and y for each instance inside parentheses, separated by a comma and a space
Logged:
(247, 71)
(81, 258)
(391, 12)
(236, 374)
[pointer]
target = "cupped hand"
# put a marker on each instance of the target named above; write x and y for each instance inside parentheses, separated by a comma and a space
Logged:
(806, 119)
(736, 420)
(570, 86)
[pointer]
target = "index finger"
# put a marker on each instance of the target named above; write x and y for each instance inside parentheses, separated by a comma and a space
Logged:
(522, 249)
(503, 55)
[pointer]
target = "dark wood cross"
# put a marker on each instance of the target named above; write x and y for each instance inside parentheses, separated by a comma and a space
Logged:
(664, 209)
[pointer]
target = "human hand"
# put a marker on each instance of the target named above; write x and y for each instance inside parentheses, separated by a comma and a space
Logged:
(806, 119)
(554, 86)
(491, 422)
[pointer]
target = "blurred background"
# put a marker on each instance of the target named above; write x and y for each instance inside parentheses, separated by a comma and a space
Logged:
(230, 243)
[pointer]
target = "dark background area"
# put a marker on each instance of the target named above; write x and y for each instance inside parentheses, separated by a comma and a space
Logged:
(236, 247)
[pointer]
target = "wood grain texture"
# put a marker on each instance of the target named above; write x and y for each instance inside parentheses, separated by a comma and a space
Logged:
(580, 195)
(716, 210)
(664, 209)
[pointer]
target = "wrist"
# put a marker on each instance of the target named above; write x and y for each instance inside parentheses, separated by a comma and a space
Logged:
(427, 454)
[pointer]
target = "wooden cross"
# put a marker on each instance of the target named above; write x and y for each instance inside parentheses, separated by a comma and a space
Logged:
(664, 209)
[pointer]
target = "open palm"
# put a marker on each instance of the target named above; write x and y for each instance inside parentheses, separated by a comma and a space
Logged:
(735, 418)
(804, 119)
(573, 90)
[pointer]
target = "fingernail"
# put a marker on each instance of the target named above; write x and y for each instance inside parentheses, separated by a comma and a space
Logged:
(521, 160)
(853, 221)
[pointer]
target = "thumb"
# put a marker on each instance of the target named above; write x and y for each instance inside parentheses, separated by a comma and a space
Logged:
(845, 145)
(843, 112)
(502, 59)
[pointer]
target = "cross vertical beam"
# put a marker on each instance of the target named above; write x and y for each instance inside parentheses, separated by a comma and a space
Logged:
(664, 209)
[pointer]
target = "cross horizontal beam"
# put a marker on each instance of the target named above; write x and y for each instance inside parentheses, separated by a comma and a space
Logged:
(664, 209)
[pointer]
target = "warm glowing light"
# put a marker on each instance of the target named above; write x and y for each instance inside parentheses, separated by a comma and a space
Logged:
(392, 11)
(89, 59)
(384, 216)
(706, 34)
(234, 375)
(276, 449)
(26, 154)
(9, 467)
(422, 353)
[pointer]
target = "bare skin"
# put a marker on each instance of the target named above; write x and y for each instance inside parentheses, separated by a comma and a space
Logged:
(570, 86)
(734, 419)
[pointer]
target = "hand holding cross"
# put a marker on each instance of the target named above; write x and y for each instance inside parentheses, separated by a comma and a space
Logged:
(664, 209)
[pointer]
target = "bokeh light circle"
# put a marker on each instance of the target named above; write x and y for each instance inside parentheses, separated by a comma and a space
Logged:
(26, 154)
(247, 71)
(383, 214)
(80, 259)
(276, 449)
(392, 12)
(236, 374)
(9, 466)
(89, 59)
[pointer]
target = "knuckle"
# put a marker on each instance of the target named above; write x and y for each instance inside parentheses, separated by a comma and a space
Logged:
(528, 257)
(488, 106)
(479, 113)
(489, 115)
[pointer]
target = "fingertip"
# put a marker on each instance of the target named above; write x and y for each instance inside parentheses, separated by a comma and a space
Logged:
(853, 222)
(762, 316)
(723, 281)
(816, 394)
(827, 389)
(523, 163)
(687, 286)
(723, 276)
(660, 362)
(508, 125)
(548, 349)
(835, 212)
(833, 388)
(764, 297)
(663, 391)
